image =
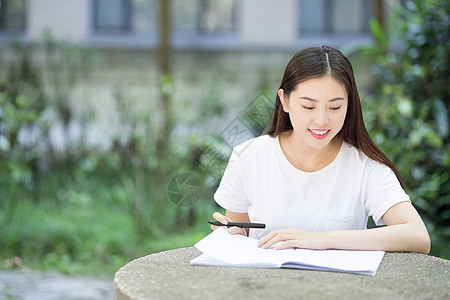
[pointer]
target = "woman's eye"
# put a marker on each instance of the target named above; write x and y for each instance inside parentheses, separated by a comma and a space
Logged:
(335, 108)
(307, 107)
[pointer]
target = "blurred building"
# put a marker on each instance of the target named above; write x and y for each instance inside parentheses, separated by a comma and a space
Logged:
(215, 24)
(242, 44)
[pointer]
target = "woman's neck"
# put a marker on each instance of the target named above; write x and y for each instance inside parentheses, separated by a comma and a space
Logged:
(306, 158)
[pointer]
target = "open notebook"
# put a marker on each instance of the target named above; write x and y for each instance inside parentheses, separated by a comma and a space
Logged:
(223, 249)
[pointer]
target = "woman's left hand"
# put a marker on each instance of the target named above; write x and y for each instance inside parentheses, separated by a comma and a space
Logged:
(293, 238)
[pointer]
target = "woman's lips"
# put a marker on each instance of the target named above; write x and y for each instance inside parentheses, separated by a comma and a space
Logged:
(319, 133)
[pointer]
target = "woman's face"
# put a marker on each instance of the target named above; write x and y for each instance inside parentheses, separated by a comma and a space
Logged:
(317, 109)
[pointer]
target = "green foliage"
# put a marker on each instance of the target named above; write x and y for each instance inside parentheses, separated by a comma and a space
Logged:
(258, 114)
(65, 63)
(407, 110)
(23, 125)
(92, 208)
(18, 160)
(27, 105)
(147, 155)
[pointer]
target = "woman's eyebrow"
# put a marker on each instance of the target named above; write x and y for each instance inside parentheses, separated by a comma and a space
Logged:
(314, 100)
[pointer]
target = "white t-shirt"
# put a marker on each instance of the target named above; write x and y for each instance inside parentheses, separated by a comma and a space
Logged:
(260, 181)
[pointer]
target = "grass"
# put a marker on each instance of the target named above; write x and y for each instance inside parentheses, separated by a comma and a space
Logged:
(80, 228)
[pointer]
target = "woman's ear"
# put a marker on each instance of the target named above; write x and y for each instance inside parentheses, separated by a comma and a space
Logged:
(283, 100)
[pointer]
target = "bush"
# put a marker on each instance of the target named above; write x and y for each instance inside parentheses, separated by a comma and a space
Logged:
(407, 108)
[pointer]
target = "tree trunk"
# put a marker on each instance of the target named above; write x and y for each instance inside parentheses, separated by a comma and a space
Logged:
(164, 37)
(163, 141)
(379, 12)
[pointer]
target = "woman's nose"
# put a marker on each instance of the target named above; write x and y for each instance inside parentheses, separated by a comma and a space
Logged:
(321, 118)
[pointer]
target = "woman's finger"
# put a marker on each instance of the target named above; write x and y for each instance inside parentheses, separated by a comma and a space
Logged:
(270, 236)
(287, 244)
(237, 230)
(280, 237)
(221, 218)
(266, 238)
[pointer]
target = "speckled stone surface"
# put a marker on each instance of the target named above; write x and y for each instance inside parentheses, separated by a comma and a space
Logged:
(168, 275)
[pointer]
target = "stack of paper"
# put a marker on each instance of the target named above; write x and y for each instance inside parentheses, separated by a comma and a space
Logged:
(221, 248)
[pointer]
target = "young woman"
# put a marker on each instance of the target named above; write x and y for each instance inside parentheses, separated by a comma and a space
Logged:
(315, 176)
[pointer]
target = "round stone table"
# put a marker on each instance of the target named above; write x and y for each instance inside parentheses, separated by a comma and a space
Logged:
(168, 275)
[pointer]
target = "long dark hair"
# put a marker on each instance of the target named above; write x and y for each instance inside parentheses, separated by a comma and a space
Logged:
(326, 61)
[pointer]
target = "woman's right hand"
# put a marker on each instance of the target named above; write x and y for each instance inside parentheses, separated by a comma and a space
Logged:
(224, 220)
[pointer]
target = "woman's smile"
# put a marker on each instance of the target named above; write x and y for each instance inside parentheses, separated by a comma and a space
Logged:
(319, 133)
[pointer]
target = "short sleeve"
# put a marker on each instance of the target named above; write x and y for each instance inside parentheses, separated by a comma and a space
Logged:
(231, 194)
(383, 192)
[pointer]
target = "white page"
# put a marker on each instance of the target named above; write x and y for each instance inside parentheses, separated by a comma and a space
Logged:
(238, 249)
(339, 259)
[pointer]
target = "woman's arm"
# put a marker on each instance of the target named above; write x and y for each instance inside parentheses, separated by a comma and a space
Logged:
(405, 231)
(232, 216)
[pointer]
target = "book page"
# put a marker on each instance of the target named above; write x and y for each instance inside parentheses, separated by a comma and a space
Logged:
(238, 249)
(206, 260)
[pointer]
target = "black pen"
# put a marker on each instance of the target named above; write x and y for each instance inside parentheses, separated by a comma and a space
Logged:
(239, 224)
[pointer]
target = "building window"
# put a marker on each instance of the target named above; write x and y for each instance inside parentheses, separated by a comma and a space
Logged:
(189, 17)
(204, 17)
(12, 15)
(335, 17)
(124, 15)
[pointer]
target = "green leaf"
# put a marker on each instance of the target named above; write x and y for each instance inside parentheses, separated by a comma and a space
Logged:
(378, 34)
